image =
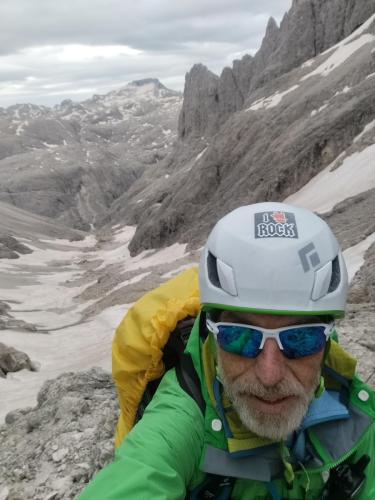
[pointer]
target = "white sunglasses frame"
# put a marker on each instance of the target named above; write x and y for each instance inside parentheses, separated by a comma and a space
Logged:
(269, 333)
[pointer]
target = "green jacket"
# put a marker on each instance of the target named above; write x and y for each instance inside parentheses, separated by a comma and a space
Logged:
(169, 452)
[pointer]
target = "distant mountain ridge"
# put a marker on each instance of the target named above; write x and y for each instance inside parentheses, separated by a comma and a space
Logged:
(77, 158)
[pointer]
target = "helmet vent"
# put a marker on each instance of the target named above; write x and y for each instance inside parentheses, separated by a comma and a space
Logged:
(336, 275)
(213, 275)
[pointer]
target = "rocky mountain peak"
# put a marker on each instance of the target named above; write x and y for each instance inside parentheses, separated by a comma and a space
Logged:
(308, 29)
(272, 28)
(269, 44)
(148, 81)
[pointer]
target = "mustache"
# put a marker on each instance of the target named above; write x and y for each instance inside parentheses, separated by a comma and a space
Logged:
(251, 387)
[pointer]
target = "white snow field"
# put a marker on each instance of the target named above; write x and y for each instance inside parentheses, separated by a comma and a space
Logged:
(329, 187)
(42, 288)
(74, 348)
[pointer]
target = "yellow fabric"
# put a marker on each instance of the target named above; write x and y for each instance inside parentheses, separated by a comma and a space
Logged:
(139, 340)
(341, 361)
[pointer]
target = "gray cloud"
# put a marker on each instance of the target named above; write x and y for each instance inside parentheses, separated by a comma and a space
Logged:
(145, 25)
(170, 37)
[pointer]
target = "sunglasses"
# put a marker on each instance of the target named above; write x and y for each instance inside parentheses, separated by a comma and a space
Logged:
(294, 341)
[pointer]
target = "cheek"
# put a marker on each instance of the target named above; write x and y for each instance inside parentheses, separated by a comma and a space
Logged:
(307, 370)
(232, 365)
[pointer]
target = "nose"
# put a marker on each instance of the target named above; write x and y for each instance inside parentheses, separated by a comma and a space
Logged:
(270, 365)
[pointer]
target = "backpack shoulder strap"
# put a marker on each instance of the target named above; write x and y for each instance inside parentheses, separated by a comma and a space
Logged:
(214, 486)
(188, 379)
(217, 487)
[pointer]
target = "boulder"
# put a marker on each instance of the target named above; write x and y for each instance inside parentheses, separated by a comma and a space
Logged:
(12, 360)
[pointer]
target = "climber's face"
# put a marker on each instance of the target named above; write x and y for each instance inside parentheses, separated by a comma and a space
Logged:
(270, 392)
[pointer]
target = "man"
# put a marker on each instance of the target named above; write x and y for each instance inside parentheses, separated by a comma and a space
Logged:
(283, 414)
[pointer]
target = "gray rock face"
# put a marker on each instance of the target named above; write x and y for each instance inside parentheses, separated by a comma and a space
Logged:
(356, 334)
(350, 219)
(77, 158)
(311, 27)
(52, 450)
(200, 108)
(230, 96)
(243, 71)
(12, 360)
(308, 29)
(20, 223)
(363, 286)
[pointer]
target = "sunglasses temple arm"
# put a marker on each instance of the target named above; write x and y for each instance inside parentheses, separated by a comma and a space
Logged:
(211, 326)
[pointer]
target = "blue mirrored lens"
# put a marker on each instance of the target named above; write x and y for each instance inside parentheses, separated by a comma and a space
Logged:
(240, 340)
(304, 341)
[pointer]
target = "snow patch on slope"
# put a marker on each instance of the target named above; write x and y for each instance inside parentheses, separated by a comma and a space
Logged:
(316, 111)
(325, 190)
(341, 54)
(271, 101)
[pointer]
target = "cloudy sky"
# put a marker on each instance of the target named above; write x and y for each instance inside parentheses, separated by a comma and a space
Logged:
(51, 50)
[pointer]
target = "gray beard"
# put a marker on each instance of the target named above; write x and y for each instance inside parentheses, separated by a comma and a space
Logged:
(274, 427)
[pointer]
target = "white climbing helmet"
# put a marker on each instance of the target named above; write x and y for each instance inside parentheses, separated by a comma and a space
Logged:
(273, 258)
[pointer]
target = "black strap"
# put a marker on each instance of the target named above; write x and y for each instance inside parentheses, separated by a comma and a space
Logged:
(203, 332)
(214, 486)
(188, 379)
(346, 480)
(217, 487)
